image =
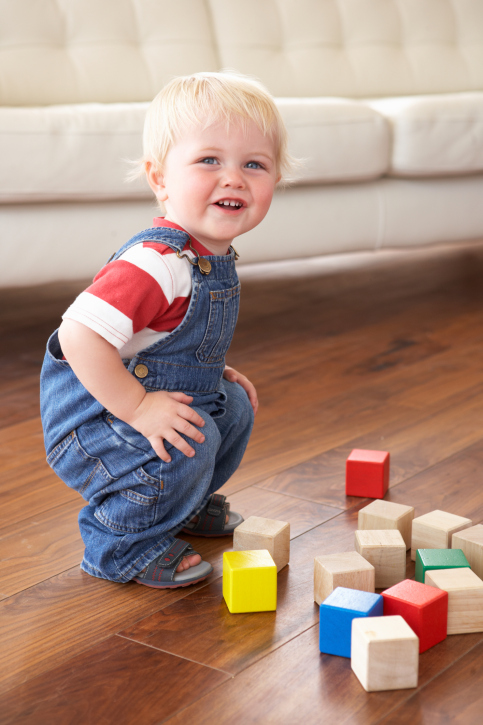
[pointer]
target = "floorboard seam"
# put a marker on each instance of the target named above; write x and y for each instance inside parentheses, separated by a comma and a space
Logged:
(172, 654)
(301, 498)
(311, 500)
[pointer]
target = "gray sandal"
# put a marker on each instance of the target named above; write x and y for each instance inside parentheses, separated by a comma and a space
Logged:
(211, 518)
(161, 572)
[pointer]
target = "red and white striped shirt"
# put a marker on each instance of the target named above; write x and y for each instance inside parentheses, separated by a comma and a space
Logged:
(140, 297)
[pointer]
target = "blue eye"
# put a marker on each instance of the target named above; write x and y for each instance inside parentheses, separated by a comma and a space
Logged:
(209, 160)
(254, 165)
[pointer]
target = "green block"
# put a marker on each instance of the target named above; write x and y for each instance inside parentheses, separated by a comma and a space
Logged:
(427, 559)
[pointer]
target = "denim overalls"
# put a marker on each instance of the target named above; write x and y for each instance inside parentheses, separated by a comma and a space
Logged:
(136, 501)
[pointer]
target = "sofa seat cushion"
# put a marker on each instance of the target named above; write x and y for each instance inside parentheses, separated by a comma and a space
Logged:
(436, 135)
(82, 151)
(337, 140)
(75, 152)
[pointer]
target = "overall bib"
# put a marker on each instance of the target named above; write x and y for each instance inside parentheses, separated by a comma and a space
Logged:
(136, 501)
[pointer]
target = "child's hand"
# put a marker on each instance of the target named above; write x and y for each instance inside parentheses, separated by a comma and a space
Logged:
(163, 416)
(235, 377)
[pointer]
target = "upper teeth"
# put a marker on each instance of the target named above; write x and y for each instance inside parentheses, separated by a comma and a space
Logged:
(230, 203)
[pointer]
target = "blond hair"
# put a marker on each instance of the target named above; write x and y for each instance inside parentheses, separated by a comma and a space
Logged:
(207, 98)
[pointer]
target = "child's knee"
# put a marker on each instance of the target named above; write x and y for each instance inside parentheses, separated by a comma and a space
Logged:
(238, 405)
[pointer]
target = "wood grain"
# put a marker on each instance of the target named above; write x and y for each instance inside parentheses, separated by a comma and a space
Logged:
(363, 351)
(29, 490)
(231, 642)
(40, 547)
(57, 619)
(450, 698)
(298, 684)
(415, 445)
(115, 682)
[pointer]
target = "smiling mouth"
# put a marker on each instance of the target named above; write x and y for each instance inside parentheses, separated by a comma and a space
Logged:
(226, 204)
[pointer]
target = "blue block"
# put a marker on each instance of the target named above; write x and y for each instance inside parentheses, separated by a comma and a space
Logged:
(336, 615)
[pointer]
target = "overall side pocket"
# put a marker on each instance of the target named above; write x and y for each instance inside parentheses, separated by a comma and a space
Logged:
(80, 471)
(134, 508)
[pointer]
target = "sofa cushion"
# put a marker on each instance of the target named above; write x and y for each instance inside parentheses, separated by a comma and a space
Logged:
(70, 152)
(82, 151)
(336, 139)
(353, 48)
(435, 135)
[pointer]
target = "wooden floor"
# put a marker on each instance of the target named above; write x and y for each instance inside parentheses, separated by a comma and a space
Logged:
(370, 351)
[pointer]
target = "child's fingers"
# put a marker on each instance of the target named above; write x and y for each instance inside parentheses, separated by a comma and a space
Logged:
(187, 412)
(183, 426)
(159, 449)
(181, 398)
(179, 442)
(249, 389)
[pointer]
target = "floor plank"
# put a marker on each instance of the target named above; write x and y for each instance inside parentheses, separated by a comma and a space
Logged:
(298, 684)
(38, 548)
(30, 489)
(413, 445)
(61, 617)
(233, 642)
(450, 698)
(115, 681)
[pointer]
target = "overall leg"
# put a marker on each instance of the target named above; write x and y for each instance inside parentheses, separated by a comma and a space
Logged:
(137, 502)
(235, 428)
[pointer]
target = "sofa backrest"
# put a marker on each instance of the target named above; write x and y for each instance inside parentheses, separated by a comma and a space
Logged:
(72, 51)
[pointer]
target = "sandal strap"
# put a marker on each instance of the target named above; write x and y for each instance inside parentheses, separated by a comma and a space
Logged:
(163, 568)
(216, 504)
(212, 517)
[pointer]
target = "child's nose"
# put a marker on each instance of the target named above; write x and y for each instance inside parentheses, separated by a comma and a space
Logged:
(233, 177)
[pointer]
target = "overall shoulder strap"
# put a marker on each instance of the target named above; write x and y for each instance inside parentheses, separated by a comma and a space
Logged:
(174, 238)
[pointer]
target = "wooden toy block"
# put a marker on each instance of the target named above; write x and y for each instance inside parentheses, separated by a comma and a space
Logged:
(470, 541)
(249, 581)
(465, 598)
(424, 608)
(337, 613)
(367, 473)
(258, 533)
(380, 515)
(384, 653)
(429, 559)
(348, 569)
(386, 551)
(435, 530)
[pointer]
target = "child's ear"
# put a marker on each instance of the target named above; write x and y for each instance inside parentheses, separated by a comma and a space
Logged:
(156, 181)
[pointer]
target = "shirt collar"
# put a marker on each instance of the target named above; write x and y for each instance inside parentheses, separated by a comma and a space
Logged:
(160, 221)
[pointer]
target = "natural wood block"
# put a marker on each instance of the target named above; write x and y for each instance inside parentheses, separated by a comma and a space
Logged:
(337, 613)
(348, 569)
(435, 530)
(385, 653)
(465, 598)
(259, 533)
(249, 581)
(424, 608)
(386, 551)
(470, 541)
(430, 559)
(380, 515)
(367, 473)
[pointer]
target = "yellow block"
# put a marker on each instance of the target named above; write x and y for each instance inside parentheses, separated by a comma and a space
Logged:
(249, 581)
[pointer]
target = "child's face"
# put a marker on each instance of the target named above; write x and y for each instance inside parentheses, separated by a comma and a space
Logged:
(207, 167)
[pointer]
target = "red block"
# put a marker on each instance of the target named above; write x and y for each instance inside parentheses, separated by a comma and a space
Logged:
(367, 474)
(424, 608)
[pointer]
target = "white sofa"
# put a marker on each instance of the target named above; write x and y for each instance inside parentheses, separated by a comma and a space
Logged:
(383, 99)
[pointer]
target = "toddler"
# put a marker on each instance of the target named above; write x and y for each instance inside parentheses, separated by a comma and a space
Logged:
(140, 413)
